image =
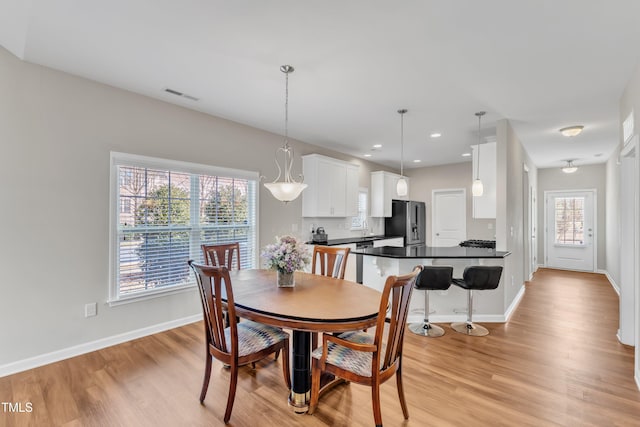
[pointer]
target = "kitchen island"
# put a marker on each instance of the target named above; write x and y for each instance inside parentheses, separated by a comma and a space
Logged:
(450, 305)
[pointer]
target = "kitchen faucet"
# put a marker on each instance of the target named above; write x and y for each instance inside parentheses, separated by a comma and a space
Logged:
(365, 228)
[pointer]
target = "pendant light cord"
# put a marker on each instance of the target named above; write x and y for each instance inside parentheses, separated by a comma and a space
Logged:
(286, 109)
(401, 112)
(401, 144)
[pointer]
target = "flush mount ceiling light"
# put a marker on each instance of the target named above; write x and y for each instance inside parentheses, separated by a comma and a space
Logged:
(401, 187)
(288, 189)
(466, 154)
(377, 146)
(571, 130)
(367, 155)
(569, 167)
(435, 135)
(477, 188)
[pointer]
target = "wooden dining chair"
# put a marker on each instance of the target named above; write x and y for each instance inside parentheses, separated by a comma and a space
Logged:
(329, 261)
(239, 343)
(369, 359)
(222, 254)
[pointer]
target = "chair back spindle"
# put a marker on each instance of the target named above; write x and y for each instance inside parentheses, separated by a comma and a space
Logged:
(222, 255)
(329, 261)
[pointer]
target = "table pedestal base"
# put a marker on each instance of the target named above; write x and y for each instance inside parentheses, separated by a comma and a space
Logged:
(301, 378)
(299, 401)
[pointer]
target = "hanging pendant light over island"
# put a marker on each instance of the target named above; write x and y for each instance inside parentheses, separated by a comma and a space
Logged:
(401, 187)
(477, 189)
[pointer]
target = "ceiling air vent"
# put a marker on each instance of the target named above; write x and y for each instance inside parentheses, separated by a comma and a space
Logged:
(180, 94)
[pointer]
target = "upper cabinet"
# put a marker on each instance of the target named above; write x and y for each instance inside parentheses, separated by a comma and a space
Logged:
(333, 187)
(383, 190)
(485, 206)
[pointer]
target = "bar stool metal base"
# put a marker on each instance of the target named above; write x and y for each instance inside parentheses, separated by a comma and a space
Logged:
(470, 329)
(426, 329)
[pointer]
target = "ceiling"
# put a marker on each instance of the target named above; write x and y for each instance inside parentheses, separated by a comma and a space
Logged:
(542, 64)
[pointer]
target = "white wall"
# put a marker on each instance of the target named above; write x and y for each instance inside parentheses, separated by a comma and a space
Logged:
(585, 178)
(56, 133)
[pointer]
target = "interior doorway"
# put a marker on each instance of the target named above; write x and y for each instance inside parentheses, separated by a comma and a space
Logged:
(529, 221)
(449, 217)
(570, 230)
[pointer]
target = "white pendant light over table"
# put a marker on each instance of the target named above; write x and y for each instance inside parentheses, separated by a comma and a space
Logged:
(402, 187)
(477, 188)
(288, 189)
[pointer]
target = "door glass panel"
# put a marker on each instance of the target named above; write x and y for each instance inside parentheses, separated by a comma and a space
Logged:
(569, 219)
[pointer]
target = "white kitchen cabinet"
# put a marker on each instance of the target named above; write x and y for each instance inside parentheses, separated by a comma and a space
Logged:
(383, 191)
(353, 184)
(397, 242)
(333, 187)
(485, 206)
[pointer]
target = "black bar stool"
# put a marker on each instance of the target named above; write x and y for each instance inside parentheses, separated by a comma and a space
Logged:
(475, 278)
(432, 278)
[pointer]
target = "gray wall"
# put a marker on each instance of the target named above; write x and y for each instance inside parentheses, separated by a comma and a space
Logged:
(585, 178)
(459, 175)
(56, 132)
(510, 232)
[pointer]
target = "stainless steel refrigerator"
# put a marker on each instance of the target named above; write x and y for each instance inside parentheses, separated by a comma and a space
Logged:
(408, 219)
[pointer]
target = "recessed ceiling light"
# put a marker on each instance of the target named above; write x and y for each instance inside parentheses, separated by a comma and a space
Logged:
(597, 155)
(466, 154)
(435, 135)
(367, 155)
(572, 130)
(417, 161)
(377, 146)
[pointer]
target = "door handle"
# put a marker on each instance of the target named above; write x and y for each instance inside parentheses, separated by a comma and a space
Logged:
(437, 234)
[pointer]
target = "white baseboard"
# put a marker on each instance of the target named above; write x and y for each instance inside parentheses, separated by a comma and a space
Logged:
(66, 353)
(514, 304)
(613, 282)
(637, 377)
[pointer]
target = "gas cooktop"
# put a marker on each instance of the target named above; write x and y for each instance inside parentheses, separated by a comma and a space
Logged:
(478, 244)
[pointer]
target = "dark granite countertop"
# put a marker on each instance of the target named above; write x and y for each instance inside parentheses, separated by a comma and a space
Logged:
(431, 252)
(348, 240)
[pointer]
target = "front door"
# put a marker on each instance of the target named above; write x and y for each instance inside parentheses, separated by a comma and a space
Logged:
(570, 229)
(449, 217)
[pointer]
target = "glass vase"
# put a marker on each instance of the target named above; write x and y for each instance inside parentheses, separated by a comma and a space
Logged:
(286, 280)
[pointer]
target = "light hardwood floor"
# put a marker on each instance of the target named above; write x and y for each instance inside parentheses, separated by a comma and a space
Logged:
(556, 362)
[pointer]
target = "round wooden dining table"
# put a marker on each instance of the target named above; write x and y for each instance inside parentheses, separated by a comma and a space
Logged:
(315, 304)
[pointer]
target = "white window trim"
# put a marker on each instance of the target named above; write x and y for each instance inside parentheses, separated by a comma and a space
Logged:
(126, 159)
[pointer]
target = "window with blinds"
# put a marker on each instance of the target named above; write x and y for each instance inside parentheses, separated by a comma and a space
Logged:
(360, 222)
(165, 210)
(569, 221)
